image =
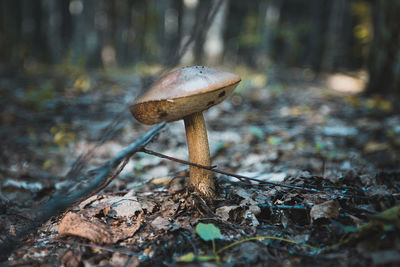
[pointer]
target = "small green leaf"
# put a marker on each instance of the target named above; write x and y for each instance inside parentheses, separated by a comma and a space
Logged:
(208, 231)
(47, 164)
(274, 140)
(190, 257)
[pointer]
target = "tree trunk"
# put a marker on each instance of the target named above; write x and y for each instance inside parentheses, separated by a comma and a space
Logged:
(214, 44)
(314, 48)
(270, 12)
(188, 21)
(173, 30)
(384, 60)
(333, 43)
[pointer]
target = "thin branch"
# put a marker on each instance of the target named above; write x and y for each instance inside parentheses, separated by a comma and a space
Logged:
(286, 207)
(106, 183)
(238, 176)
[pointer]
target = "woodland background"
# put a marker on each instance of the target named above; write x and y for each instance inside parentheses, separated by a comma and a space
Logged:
(322, 36)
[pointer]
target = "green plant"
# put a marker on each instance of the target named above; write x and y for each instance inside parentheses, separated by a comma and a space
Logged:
(209, 232)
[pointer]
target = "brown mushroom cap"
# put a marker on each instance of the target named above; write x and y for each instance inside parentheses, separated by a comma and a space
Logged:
(183, 92)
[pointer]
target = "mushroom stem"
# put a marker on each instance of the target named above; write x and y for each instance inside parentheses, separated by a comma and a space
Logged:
(199, 153)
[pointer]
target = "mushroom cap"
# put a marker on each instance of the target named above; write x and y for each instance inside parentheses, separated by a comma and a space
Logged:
(183, 92)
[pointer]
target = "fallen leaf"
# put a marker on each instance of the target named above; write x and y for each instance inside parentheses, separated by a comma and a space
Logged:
(128, 206)
(95, 230)
(328, 210)
(71, 258)
(161, 223)
(79, 225)
(276, 177)
(120, 259)
(225, 211)
(243, 193)
(161, 180)
(372, 147)
(251, 219)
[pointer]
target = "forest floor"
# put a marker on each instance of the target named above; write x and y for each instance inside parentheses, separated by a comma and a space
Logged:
(336, 157)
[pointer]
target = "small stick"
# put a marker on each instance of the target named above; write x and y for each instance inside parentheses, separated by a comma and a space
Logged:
(286, 207)
(213, 168)
(106, 183)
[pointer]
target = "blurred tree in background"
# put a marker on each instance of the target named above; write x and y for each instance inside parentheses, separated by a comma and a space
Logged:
(384, 60)
(323, 36)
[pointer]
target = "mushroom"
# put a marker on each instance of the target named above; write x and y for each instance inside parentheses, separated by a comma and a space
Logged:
(185, 94)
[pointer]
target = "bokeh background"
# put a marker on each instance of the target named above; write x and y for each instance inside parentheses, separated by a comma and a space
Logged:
(359, 36)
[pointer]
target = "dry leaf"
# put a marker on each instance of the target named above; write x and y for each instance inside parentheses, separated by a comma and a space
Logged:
(119, 259)
(128, 206)
(225, 212)
(94, 230)
(328, 210)
(161, 223)
(71, 259)
(79, 225)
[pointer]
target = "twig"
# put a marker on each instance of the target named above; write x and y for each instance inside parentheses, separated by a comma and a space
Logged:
(107, 182)
(240, 177)
(285, 207)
